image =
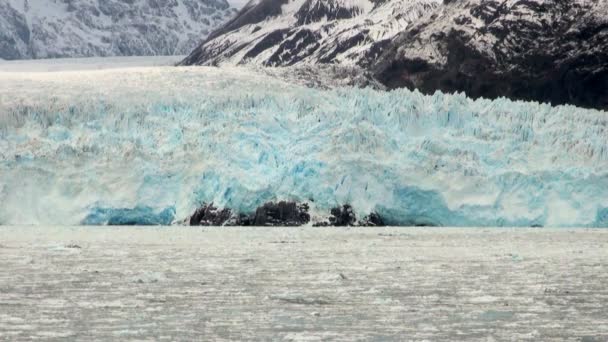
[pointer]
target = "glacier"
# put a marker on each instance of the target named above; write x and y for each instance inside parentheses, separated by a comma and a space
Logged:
(148, 145)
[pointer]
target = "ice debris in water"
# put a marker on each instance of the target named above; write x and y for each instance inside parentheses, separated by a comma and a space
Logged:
(100, 147)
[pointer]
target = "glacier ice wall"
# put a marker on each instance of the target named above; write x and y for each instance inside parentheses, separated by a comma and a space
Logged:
(151, 144)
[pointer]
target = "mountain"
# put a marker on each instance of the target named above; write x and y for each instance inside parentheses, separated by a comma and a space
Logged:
(552, 51)
(284, 32)
(83, 28)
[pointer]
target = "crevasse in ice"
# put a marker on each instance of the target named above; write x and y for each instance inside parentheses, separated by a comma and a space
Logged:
(149, 145)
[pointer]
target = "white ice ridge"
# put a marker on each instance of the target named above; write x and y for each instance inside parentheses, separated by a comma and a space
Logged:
(75, 145)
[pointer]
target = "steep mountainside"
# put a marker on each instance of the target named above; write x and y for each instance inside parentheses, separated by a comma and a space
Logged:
(552, 51)
(290, 32)
(80, 28)
(546, 50)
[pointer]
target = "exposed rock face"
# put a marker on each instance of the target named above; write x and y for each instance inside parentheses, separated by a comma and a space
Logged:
(281, 214)
(544, 50)
(372, 220)
(292, 32)
(84, 28)
(270, 214)
(344, 216)
(209, 215)
(340, 217)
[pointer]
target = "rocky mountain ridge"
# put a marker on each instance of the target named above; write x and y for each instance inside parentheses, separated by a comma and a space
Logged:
(292, 32)
(553, 51)
(85, 28)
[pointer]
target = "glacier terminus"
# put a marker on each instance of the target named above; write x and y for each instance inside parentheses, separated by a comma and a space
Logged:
(151, 144)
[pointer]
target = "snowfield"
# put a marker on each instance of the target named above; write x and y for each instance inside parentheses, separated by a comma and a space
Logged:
(158, 141)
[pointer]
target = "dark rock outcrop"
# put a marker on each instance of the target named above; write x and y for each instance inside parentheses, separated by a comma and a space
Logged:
(287, 214)
(552, 51)
(341, 216)
(281, 214)
(209, 215)
(344, 216)
(372, 220)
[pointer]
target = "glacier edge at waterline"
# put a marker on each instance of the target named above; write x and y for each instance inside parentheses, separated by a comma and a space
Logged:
(155, 143)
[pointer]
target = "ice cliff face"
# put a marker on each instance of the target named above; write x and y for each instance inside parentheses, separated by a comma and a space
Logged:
(82, 28)
(290, 32)
(150, 145)
(552, 51)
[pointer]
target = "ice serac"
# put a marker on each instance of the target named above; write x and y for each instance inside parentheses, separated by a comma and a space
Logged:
(293, 32)
(150, 145)
(84, 28)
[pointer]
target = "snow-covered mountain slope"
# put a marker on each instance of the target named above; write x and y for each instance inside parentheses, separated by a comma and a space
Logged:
(82, 28)
(289, 32)
(238, 4)
(151, 144)
(545, 50)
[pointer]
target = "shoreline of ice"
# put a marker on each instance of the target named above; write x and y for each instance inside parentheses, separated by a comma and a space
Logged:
(86, 63)
(164, 137)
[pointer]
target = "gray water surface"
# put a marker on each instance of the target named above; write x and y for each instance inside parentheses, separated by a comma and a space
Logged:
(303, 284)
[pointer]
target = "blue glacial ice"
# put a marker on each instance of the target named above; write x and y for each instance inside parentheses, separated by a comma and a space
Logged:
(138, 216)
(149, 145)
